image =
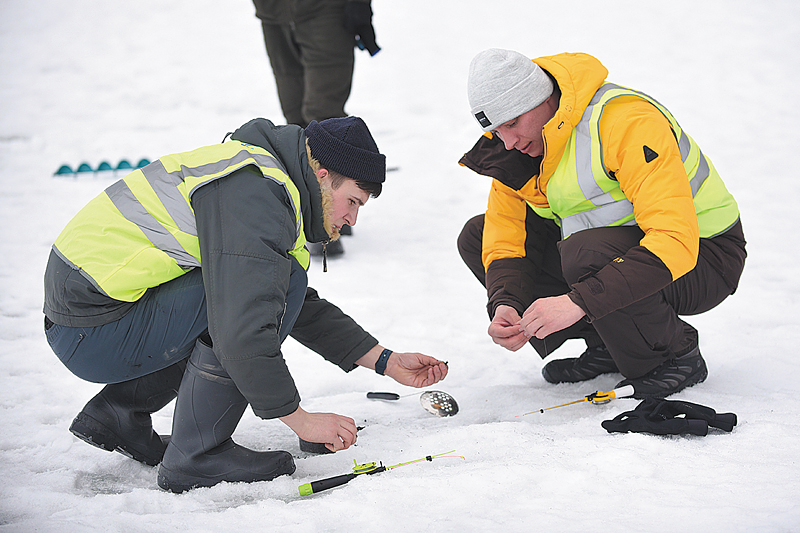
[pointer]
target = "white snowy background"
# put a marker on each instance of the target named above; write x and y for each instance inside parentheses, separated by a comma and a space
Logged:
(92, 80)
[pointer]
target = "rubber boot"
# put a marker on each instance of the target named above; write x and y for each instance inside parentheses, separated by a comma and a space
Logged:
(201, 452)
(118, 417)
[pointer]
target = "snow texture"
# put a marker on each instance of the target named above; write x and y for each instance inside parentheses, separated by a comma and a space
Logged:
(91, 80)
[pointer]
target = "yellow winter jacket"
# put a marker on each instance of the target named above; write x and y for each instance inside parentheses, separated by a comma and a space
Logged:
(663, 206)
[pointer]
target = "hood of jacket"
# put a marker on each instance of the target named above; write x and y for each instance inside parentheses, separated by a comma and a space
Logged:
(288, 144)
(578, 77)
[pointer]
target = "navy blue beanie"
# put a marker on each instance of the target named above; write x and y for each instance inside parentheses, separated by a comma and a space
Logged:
(346, 146)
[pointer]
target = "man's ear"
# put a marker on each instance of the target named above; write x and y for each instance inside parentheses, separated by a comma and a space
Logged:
(322, 173)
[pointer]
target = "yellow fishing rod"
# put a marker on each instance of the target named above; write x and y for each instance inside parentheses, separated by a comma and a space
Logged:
(359, 469)
(597, 398)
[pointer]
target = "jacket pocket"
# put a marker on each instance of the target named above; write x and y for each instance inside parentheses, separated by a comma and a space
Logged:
(64, 340)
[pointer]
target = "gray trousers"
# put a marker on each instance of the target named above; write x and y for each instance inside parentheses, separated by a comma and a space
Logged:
(160, 330)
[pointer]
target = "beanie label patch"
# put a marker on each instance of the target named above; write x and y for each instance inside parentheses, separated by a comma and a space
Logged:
(649, 154)
(482, 120)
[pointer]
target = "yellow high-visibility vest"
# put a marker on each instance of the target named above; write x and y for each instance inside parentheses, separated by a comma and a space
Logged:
(582, 195)
(141, 231)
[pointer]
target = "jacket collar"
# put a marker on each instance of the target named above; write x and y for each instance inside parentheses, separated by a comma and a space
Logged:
(578, 76)
(288, 144)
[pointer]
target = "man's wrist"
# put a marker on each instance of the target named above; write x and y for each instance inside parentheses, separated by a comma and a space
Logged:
(380, 364)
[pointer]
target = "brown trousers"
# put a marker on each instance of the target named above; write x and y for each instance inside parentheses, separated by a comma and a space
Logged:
(638, 337)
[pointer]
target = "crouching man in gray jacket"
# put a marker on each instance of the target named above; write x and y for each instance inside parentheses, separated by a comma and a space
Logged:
(185, 277)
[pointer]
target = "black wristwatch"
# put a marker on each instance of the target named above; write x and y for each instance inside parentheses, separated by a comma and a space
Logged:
(380, 364)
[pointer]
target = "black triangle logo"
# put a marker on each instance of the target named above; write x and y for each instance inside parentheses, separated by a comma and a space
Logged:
(649, 154)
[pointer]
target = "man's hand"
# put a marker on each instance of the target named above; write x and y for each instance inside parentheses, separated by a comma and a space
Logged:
(412, 369)
(505, 329)
(548, 315)
(335, 431)
(415, 369)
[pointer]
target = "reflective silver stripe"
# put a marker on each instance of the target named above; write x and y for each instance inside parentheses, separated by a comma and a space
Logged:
(81, 271)
(685, 145)
(602, 91)
(236, 161)
(703, 172)
(599, 217)
(583, 159)
(165, 185)
(133, 211)
(608, 210)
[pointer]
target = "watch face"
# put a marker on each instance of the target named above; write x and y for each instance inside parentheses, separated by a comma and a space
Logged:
(438, 403)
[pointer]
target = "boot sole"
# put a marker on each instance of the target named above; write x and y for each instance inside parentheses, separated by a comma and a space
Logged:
(98, 435)
(177, 482)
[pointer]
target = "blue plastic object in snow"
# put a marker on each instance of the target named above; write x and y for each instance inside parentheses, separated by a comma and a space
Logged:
(84, 168)
(124, 165)
(104, 166)
(143, 163)
(64, 169)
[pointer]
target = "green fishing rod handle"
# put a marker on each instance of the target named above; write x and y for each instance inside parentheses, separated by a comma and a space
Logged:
(325, 484)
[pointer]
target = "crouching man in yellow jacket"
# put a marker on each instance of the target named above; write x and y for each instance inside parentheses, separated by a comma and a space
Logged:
(605, 222)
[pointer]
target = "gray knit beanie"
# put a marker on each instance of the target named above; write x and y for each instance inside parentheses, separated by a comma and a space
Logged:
(504, 84)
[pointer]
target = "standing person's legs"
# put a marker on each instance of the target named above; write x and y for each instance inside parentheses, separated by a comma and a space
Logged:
(327, 55)
(284, 57)
(142, 357)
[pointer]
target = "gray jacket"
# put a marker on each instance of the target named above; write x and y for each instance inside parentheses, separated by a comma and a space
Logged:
(246, 228)
(246, 270)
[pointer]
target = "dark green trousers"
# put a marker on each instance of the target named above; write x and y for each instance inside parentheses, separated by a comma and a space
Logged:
(312, 61)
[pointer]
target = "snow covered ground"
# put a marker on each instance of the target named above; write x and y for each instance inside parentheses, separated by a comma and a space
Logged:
(91, 80)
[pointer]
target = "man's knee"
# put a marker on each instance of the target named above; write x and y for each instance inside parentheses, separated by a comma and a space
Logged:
(586, 252)
(470, 240)
(470, 247)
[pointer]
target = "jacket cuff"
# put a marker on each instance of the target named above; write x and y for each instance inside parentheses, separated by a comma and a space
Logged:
(577, 299)
(278, 412)
(348, 362)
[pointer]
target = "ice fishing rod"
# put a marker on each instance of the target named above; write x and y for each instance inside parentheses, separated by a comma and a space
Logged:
(314, 487)
(597, 398)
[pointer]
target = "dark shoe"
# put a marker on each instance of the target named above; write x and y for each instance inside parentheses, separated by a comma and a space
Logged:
(670, 377)
(591, 363)
(334, 248)
(226, 462)
(201, 452)
(94, 426)
(118, 418)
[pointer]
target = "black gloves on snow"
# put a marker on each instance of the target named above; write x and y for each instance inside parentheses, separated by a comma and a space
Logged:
(661, 417)
(358, 20)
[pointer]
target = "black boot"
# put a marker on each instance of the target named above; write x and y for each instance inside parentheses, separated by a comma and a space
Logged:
(201, 452)
(591, 363)
(118, 418)
(670, 376)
